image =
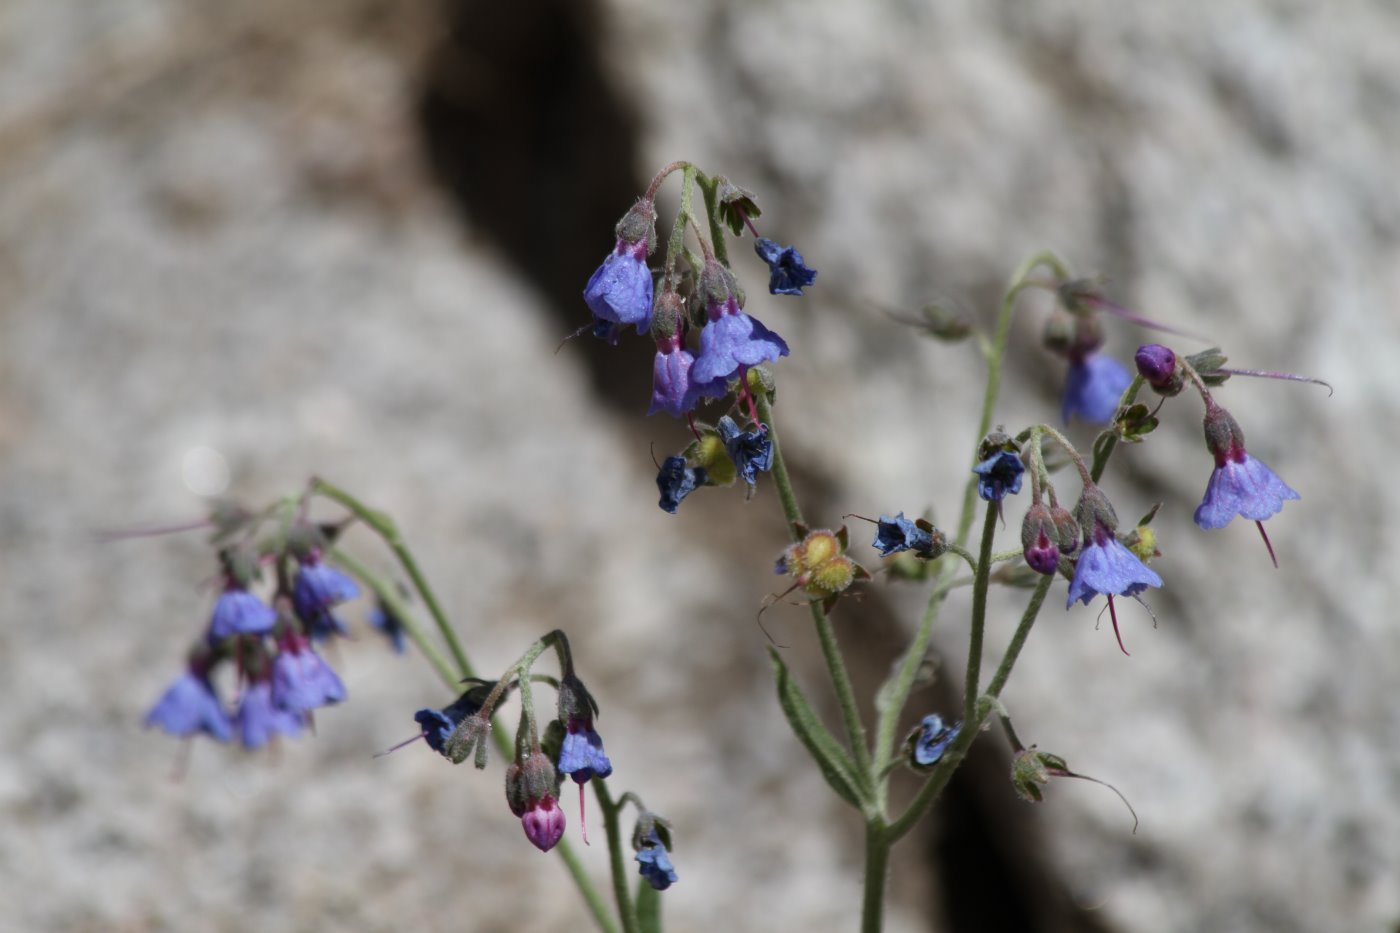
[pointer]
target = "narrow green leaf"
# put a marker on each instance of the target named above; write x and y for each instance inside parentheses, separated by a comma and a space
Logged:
(835, 764)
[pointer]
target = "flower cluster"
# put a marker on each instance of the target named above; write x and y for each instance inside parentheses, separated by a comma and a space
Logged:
(707, 346)
(281, 679)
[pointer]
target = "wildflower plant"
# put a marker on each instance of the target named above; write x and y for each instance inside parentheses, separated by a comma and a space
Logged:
(717, 367)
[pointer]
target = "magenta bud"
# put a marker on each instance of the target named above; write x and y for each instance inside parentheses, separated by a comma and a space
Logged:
(543, 823)
(1039, 540)
(1157, 364)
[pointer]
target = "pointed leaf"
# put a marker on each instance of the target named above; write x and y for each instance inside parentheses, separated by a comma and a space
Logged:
(835, 764)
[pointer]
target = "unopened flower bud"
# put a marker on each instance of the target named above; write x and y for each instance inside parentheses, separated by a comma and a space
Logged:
(1040, 540)
(1066, 528)
(1157, 364)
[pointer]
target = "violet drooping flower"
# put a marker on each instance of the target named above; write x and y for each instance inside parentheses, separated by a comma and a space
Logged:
(620, 290)
(439, 724)
(751, 451)
(654, 862)
(1106, 567)
(1240, 484)
(787, 272)
(670, 378)
(581, 754)
(730, 340)
(1093, 386)
(382, 618)
(676, 480)
(893, 535)
(927, 746)
(189, 706)
(301, 678)
(998, 475)
(317, 588)
(259, 719)
(239, 612)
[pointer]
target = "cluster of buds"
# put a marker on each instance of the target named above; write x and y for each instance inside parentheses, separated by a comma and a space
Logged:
(280, 678)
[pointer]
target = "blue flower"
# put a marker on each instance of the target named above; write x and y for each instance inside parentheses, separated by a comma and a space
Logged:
(189, 705)
(1243, 486)
(318, 587)
(676, 481)
(1092, 388)
(390, 625)
(259, 719)
(439, 724)
(581, 753)
(301, 679)
(729, 341)
(239, 612)
(672, 389)
(998, 475)
(751, 451)
(893, 535)
(620, 290)
(654, 864)
(1106, 567)
(787, 273)
(933, 740)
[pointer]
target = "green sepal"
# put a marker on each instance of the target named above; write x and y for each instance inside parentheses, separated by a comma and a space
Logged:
(833, 761)
(733, 204)
(1151, 514)
(1207, 365)
(1134, 423)
(945, 321)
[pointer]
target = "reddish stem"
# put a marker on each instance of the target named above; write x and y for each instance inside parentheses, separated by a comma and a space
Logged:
(1265, 535)
(1113, 614)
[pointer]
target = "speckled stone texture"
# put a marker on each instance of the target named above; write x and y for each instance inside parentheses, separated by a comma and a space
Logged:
(217, 230)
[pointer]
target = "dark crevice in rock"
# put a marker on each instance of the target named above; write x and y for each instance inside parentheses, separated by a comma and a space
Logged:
(524, 128)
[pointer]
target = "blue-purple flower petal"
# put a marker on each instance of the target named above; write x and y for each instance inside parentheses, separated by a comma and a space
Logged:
(1242, 487)
(1092, 388)
(189, 705)
(620, 290)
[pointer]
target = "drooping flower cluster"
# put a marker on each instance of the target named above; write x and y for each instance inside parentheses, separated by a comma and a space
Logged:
(280, 678)
(707, 345)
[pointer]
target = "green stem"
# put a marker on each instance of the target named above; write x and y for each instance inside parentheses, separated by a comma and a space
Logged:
(826, 634)
(1018, 640)
(904, 682)
(994, 364)
(597, 904)
(965, 554)
(877, 860)
(384, 526)
(979, 611)
(625, 907)
(972, 725)
(676, 246)
(1105, 450)
(708, 187)
(387, 595)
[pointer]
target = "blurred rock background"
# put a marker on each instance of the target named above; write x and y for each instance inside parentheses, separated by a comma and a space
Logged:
(346, 237)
